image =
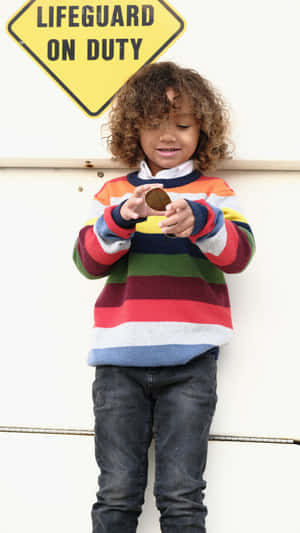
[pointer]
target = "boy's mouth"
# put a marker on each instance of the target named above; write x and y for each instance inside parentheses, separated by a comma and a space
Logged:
(166, 151)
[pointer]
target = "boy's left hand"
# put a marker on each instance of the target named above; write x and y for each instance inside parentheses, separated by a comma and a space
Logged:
(179, 219)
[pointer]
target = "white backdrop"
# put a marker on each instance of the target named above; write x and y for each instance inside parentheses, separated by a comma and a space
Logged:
(47, 305)
(46, 315)
(249, 50)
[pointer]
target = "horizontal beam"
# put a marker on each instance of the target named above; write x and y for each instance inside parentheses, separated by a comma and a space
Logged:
(89, 433)
(235, 164)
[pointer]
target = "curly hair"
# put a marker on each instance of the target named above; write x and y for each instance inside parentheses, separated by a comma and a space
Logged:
(143, 100)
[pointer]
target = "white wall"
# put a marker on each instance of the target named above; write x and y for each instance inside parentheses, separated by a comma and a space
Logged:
(249, 50)
(46, 315)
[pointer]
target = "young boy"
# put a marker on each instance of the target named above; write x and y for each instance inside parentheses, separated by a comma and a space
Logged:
(164, 311)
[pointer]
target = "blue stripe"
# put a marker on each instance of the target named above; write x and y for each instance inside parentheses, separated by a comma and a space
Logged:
(219, 222)
(146, 356)
(200, 212)
(160, 244)
(105, 233)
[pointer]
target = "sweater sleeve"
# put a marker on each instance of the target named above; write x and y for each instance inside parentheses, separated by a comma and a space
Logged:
(103, 240)
(221, 232)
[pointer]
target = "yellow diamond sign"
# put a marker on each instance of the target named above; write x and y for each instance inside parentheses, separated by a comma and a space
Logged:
(92, 47)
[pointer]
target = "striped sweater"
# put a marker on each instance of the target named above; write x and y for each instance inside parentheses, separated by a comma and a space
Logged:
(165, 300)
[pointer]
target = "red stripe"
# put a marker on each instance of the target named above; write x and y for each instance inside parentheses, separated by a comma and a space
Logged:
(163, 287)
(162, 311)
(243, 254)
(94, 250)
(124, 233)
(89, 265)
(210, 223)
(228, 255)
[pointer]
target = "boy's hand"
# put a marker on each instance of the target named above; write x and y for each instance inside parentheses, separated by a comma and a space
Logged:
(179, 220)
(136, 207)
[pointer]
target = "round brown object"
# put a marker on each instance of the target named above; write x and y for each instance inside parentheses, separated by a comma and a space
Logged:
(157, 199)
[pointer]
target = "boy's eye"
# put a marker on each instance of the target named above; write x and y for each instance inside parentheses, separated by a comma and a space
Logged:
(182, 126)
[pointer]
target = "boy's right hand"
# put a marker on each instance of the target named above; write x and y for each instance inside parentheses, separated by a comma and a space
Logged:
(135, 207)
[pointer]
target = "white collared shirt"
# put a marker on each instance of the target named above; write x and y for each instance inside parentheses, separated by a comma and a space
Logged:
(168, 173)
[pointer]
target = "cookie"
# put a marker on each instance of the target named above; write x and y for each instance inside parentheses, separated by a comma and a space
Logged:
(157, 199)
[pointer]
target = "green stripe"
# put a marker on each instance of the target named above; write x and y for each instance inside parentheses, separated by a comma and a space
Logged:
(178, 265)
(78, 263)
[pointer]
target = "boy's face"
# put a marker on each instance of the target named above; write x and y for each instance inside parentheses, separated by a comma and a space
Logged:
(173, 140)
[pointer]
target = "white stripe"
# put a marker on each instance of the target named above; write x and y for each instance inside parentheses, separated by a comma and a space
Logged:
(159, 333)
(212, 199)
(193, 197)
(116, 200)
(214, 245)
(173, 195)
(231, 202)
(224, 201)
(112, 247)
(96, 209)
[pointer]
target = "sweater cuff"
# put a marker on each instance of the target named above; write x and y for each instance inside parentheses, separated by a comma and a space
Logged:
(200, 212)
(120, 221)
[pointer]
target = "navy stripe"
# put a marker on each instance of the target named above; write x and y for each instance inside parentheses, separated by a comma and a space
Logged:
(243, 225)
(161, 244)
(167, 183)
(120, 221)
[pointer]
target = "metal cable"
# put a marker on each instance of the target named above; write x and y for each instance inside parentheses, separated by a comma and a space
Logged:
(90, 433)
(46, 431)
(254, 440)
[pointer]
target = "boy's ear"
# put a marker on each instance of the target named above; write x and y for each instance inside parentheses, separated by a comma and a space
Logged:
(143, 155)
(203, 138)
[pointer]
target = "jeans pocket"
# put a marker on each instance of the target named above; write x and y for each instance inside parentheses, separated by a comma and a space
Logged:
(205, 379)
(98, 390)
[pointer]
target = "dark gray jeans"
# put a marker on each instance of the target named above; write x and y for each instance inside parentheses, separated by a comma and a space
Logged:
(175, 405)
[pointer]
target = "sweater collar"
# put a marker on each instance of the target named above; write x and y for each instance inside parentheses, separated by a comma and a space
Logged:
(136, 181)
(184, 169)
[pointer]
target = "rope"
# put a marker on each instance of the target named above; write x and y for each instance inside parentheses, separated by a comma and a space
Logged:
(90, 433)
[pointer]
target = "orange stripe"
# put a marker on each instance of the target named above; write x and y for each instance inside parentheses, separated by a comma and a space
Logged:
(116, 187)
(207, 185)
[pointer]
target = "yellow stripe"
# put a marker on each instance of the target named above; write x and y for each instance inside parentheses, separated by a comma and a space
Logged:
(150, 225)
(231, 214)
(91, 222)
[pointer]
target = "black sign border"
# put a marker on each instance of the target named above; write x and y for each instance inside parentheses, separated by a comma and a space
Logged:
(65, 88)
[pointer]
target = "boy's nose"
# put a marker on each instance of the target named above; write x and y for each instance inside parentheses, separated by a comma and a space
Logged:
(167, 134)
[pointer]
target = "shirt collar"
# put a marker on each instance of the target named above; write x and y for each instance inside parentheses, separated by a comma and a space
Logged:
(168, 173)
